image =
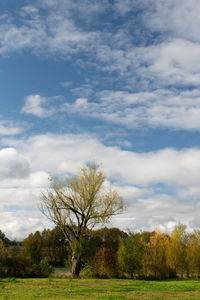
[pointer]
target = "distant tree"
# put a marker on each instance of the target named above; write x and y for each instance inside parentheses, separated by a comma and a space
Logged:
(54, 245)
(33, 246)
(3, 256)
(193, 254)
(130, 254)
(3, 251)
(110, 237)
(107, 237)
(79, 203)
(177, 250)
(155, 257)
(146, 235)
(4, 239)
(105, 263)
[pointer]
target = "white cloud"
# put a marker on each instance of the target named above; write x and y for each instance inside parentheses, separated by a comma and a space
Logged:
(19, 198)
(34, 180)
(174, 63)
(159, 108)
(37, 106)
(52, 32)
(158, 65)
(66, 83)
(191, 192)
(123, 6)
(178, 18)
(156, 185)
(158, 210)
(19, 225)
(29, 10)
(13, 164)
(171, 18)
(7, 128)
(164, 61)
(81, 102)
(67, 153)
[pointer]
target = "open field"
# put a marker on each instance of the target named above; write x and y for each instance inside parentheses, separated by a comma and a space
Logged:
(58, 288)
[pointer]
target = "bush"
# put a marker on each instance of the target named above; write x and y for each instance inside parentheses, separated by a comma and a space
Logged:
(88, 271)
(11, 279)
(46, 268)
(18, 266)
(21, 267)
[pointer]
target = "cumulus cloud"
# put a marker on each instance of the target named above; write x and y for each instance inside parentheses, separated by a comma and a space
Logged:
(162, 210)
(19, 198)
(170, 61)
(156, 47)
(20, 225)
(155, 185)
(34, 180)
(67, 153)
(176, 18)
(13, 164)
(171, 18)
(37, 106)
(156, 65)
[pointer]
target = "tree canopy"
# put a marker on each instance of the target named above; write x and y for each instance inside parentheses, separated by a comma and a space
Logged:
(77, 204)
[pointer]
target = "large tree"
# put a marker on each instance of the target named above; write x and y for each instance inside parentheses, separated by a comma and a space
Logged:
(79, 203)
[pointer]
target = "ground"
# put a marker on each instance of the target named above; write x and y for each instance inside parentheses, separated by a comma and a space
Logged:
(65, 288)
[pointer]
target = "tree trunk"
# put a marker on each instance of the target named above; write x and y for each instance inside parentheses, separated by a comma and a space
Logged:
(75, 265)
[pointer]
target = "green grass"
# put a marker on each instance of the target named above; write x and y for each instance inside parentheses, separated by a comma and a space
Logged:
(59, 288)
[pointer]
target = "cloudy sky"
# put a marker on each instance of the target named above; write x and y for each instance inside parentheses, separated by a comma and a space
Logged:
(115, 81)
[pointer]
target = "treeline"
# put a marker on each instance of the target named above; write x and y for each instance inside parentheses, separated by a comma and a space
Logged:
(15, 263)
(106, 253)
(8, 242)
(149, 255)
(52, 245)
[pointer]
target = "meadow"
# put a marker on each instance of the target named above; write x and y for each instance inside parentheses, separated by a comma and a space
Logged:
(66, 288)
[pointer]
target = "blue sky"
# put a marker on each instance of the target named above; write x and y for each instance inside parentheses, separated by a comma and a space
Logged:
(112, 81)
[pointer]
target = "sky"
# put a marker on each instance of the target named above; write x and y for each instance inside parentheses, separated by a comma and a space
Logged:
(111, 81)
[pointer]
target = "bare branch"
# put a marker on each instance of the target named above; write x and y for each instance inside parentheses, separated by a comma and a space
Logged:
(79, 203)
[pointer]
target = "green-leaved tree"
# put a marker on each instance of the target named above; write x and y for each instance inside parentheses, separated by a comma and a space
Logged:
(130, 255)
(77, 204)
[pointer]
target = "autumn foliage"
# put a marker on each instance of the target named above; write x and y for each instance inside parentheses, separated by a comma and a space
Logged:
(105, 263)
(108, 253)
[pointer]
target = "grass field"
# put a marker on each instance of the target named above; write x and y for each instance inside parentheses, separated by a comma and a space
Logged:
(59, 288)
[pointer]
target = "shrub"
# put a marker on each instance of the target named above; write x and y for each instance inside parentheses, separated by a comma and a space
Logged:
(11, 279)
(46, 268)
(18, 266)
(21, 267)
(88, 271)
